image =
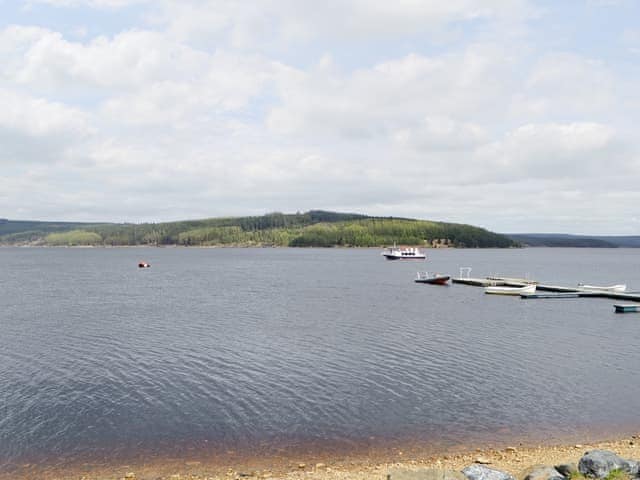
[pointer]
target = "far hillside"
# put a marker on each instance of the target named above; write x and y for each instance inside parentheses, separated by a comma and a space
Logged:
(316, 228)
(25, 232)
(585, 241)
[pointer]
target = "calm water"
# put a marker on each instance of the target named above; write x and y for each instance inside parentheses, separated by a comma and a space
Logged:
(247, 347)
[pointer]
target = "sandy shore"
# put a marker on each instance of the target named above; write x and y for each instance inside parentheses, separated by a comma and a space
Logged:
(513, 459)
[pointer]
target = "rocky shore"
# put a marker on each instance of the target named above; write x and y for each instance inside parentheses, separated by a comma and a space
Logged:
(611, 460)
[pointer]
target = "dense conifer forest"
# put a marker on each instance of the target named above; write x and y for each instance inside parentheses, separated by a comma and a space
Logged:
(315, 228)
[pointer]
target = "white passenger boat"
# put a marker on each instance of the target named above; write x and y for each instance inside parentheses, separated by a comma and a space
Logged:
(403, 253)
(527, 289)
(596, 288)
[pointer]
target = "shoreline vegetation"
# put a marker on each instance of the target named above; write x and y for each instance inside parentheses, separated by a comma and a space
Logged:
(316, 228)
(514, 462)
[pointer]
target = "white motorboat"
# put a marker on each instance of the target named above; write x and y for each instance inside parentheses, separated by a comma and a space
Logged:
(526, 290)
(403, 253)
(432, 278)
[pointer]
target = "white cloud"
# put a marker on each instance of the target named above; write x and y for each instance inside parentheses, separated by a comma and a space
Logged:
(566, 84)
(43, 59)
(551, 151)
(38, 117)
(89, 3)
(441, 133)
(232, 108)
(398, 92)
(226, 83)
(280, 22)
(33, 130)
(631, 39)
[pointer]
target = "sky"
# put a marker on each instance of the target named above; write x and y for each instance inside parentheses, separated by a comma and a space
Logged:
(513, 115)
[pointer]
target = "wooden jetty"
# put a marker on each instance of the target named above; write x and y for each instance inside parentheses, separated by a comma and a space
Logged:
(480, 282)
(508, 282)
(557, 290)
(552, 295)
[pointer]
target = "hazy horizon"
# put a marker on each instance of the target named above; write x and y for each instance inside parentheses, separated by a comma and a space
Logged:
(291, 213)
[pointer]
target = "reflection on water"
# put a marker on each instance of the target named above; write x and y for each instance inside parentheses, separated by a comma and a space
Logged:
(217, 349)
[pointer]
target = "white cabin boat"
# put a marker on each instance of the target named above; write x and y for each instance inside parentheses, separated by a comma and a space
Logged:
(403, 253)
(526, 290)
(596, 288)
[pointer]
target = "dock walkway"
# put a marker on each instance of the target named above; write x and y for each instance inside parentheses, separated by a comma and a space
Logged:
(557, 290)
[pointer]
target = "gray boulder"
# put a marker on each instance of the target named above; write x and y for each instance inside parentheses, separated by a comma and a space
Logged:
(599, 463)
(567, 469)
(541, 472)
(480, 472)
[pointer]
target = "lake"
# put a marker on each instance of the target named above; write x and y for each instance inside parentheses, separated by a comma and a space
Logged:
(272, 348)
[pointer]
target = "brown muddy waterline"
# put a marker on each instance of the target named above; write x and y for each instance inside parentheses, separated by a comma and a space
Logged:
(268, 460)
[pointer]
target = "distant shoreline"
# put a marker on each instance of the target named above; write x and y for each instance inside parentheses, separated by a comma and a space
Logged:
(343, 247)
(280, 247)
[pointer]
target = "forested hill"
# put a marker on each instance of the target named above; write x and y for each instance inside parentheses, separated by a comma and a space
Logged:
(565, 240)
(316, 228)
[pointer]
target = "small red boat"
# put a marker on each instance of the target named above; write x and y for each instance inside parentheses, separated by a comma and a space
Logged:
(434, 279)
(144, 265)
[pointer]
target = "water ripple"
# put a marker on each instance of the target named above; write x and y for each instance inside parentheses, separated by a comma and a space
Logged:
(247, 346)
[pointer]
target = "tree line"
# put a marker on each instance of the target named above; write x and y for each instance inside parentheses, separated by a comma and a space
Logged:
(315, 228)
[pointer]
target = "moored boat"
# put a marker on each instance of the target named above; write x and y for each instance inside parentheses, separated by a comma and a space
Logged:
(144, 265)
(434, 279)
(526, 290)
(403, 253)
(625, 308)
(611, 288)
